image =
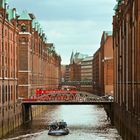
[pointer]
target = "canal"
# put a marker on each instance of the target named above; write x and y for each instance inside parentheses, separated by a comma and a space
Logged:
(86, 122)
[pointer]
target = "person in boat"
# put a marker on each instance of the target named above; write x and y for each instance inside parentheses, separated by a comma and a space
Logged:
(62, 125)
(53, 126)
(58, 128)
(58, 125)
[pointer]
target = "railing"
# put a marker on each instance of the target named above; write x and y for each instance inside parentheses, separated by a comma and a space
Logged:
(64, 98)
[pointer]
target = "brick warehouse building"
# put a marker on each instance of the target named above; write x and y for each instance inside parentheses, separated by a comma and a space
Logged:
(38, 62)
(126, 41)
(106, 50)
(10, 110)
(103, 66)
(87, 74)
(75, 66)
(27, 62)
(65, 73)
(97, 72)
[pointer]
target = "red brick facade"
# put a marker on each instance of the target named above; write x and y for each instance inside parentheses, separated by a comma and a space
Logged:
(75, 66)
(65, 73)
(103, 66)
(106, 64)
(75, 72)
(27, 62)
(10, 110)
(126, 38)
(39, 64)
(97, 72)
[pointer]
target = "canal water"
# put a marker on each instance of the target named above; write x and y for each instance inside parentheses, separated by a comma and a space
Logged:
(86, 122)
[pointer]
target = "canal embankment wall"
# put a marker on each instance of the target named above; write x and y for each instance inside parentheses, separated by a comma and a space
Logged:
(13, 118)
(127, 123)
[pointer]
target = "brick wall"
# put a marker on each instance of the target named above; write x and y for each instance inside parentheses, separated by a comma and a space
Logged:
(126, 42)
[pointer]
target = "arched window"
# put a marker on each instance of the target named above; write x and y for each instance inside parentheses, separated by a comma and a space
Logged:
(23, 28)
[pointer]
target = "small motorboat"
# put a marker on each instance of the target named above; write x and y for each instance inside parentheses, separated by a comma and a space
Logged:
(58, 129)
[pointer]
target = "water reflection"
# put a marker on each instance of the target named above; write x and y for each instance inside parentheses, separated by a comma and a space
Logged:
(86, 122)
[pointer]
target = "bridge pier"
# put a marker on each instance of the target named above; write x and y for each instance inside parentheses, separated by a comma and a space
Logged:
(26, 113)
(110, 112)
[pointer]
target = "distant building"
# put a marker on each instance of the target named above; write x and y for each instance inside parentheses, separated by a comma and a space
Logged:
(97, 72)
(75, 66)
(103, 66)
(65, 73)
(86, 69)
(87, 73)
(106, 63)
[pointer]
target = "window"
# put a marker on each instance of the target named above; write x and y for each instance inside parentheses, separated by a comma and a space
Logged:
(23, 28)
(9, 93)
(0, 94)
(5, 32)
(6, 93)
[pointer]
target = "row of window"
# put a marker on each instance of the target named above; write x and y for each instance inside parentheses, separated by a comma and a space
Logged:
(7, 93)
(8, 33)
(89, 66)
(86, 63)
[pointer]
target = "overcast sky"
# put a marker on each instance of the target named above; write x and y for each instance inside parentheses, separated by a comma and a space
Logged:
(72, 25)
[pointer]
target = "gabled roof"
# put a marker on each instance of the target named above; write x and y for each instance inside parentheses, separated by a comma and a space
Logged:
(24, 16)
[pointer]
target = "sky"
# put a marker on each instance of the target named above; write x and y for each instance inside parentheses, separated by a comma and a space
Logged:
(72, 25)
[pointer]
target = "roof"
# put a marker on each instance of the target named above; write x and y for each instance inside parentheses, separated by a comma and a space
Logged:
(118, 1)
(117, 5)
(71, 58)
(109, 33)
(106, 34)
(77, 57)
(80, 56)
(24, 16)
(90, 58)
(11, 14)
(37, 26)
(34, 23)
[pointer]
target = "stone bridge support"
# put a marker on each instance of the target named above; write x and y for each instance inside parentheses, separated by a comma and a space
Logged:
(26, 113)
(110, 112)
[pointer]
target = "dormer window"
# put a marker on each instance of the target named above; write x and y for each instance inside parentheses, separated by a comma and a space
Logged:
(23, 28)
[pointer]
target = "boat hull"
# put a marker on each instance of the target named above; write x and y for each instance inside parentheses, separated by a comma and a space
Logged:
(58, 132)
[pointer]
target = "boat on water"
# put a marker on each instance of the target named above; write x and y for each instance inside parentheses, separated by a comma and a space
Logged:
(58, 129)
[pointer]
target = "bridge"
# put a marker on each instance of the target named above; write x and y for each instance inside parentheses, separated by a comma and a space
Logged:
(67, 102)
(60, 98)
